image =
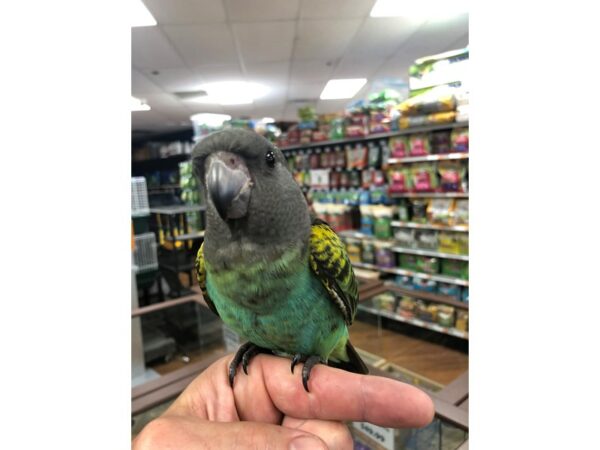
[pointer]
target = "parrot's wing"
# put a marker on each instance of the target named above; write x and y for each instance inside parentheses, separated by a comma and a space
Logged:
(201, 275)
(329, 261)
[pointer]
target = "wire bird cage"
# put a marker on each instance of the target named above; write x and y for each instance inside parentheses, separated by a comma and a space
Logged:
(145, 256)
(139, 197)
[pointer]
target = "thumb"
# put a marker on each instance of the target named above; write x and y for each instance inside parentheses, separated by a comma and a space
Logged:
(190, 433)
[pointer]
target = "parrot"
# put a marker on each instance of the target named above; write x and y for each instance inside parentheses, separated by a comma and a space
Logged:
(268, 267)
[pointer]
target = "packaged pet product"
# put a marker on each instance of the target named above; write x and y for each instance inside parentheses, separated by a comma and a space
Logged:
(384, 256)
(418, 210)
(385, 153)
(440, 142)
(436, 99)
(448, 242)
(449, 289)
(353, 248)
(422, 284)
(426, 239)
(408, 261)
(461, 212)
(383, 221)
(451, 175)
(378, 178)
(399, 147)
(405, 237)
(460, 140)
(366, 178)
(465, 294)
(367, 220)
(385, 301)
(340, 157)
(374, 158)
(455, 268)
(360, 157)
(440, 210)
(424, 178)
(399, 180)
(419, 145)
(463, 243)
(406, 307)
(462, 320)
(426, 312)
(445, 316)
(403, 210)
(403, 281)
(428, 264)
(368, 252)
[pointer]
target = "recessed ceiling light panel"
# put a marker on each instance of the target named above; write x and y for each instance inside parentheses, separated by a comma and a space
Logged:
(342, 88)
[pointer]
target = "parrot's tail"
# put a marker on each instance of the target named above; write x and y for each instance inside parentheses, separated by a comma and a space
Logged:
(354, 364)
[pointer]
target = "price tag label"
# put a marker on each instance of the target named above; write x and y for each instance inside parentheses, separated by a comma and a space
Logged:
(383, 436)
(418, 322)
(437, 327)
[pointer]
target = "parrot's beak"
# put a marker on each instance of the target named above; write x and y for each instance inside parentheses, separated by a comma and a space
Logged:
(228, 184)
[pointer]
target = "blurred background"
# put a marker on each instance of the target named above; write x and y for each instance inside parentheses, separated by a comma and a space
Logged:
(369, 101)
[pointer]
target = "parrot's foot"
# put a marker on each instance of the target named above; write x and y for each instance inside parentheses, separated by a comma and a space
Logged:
(244, 355)
(309, 363)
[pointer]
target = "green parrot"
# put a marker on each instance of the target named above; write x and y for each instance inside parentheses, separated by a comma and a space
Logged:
(276, 275)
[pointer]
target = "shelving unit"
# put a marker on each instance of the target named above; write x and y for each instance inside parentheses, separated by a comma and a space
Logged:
(429, 158)
(411, 273)
(398, 249)
(371, 137)
(430, 226)
(431, 195)
(413, 321)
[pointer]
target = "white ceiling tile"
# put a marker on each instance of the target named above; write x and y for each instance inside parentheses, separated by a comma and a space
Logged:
(312, 71)
(382, 36)
(265, 41)
(211, 74)
(148, 120)
(271, 73)
(238, 111)
(151, 50)
(261, 10)
(142, 85)
(305, 91)
(174, 80)
(275, 110)
(321, 9)
(358, 66)
(177, 12)
(203, 44)
(324, 39)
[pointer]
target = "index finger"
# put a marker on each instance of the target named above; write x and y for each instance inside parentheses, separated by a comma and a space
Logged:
(338, 395)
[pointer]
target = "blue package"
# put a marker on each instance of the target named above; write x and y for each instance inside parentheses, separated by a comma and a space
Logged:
(452, 290)
(465, 294)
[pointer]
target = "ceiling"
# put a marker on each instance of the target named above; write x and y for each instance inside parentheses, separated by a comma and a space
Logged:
(292, 46)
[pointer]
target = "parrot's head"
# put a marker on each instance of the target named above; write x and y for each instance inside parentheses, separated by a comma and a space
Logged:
(250, 191)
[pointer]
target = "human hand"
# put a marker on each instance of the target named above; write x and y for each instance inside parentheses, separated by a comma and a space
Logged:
(269, 408)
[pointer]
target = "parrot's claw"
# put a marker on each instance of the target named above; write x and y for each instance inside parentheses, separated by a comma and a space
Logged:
(297, 358)
(243, 356)
(308, 365)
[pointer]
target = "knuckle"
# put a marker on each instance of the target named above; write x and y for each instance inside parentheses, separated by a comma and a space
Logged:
(340, 437)
(153, 435)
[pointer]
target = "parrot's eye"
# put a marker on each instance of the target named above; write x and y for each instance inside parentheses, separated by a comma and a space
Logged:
(270, 158)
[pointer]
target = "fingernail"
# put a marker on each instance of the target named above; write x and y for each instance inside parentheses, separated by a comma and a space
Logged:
(306, 443)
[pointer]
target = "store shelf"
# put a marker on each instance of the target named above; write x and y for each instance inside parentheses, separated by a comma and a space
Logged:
(177, 209)
(430, 226)
(398, 249)
(371, 137)
(416, 322)
(414, 159)
(431, 195)
(410, 273)
(416, 251)
(164, 187)
(429, 296)
(187, 237)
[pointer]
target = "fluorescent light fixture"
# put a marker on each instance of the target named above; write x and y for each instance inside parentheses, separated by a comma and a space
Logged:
(268, 120)
(230, 93)
(418, 9)
(210, 119)
(139, 105)
(342, 88)
(140, 16)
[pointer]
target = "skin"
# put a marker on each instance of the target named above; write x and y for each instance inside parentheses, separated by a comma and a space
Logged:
(269, 409)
